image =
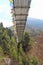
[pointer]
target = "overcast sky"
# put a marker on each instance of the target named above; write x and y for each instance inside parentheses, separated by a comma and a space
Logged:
(36, 11)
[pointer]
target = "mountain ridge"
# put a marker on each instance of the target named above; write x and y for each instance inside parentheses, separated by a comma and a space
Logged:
(35, 26)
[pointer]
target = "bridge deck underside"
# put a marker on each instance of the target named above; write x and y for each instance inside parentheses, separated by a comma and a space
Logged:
(21, 8)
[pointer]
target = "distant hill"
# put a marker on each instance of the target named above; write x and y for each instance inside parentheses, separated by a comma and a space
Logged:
(37, 23)
(35, 26)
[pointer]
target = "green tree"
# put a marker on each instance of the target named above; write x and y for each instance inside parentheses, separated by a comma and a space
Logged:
(26, 37)
(9, 32)
(26, 42)
(34, 61)
(1, 25)
(7, 40)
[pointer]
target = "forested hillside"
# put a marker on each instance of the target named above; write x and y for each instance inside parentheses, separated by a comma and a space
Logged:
(8, 43)
(9, 48)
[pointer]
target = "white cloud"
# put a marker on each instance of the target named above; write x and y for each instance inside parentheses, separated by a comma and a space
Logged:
(5, 14)
(36, 10)
(6, 23)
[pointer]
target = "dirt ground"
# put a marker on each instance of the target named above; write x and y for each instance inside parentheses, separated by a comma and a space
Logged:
(37, 49)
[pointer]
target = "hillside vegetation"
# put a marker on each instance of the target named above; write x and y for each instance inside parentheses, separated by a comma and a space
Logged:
(9, 49)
